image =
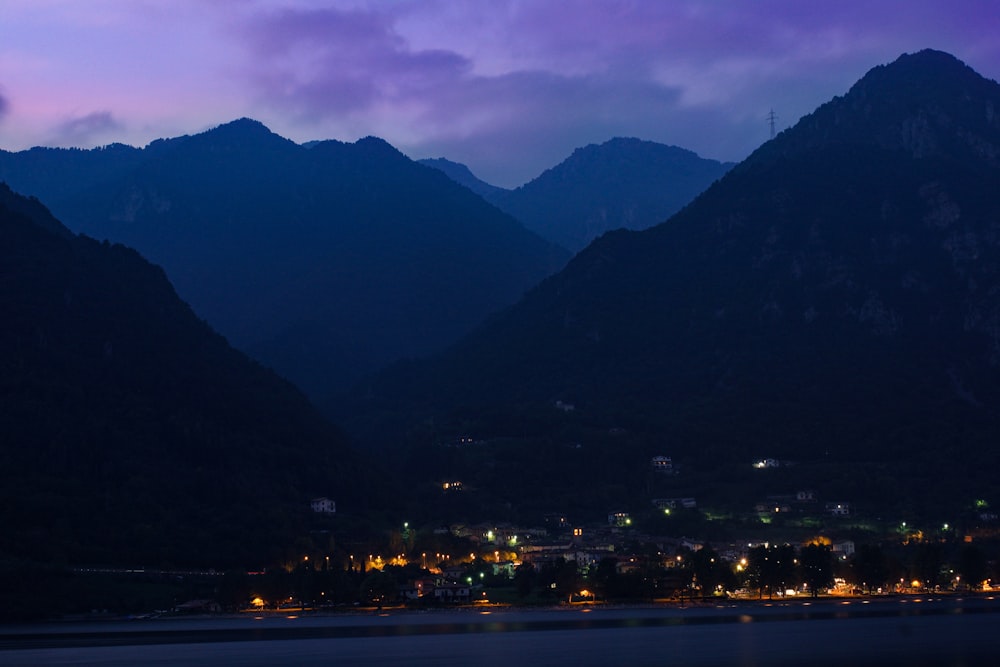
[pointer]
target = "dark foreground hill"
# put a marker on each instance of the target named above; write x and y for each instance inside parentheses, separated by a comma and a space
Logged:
(130, 432)
(324, 262)
(835, 297)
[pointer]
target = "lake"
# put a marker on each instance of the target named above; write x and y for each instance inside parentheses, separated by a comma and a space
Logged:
(917, 631)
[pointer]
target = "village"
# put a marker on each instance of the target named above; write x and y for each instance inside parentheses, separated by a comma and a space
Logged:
(784, 545)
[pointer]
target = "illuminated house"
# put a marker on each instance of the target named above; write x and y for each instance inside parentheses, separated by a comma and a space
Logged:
(843, 550)
(838, 509)
(453, 593)
(619, 519)
(662, 464)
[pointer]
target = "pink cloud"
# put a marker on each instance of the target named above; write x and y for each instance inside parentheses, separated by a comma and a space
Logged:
(85, 130)
(515, 84)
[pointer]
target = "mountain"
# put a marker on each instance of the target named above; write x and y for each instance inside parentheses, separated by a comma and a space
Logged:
(130, 432)
(462, 175)
(835, 297)
(324, 262)
(622, 183)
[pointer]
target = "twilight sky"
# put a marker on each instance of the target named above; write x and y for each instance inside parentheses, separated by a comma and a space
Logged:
(509, 87)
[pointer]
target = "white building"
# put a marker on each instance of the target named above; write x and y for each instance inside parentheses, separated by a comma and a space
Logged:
(663, 464)
(838, 509)
(323, 506)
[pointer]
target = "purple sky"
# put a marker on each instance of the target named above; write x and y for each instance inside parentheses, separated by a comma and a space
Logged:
(508, 87)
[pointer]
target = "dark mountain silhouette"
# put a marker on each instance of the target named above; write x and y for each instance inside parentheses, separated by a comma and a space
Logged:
(130, 432)
(622, 183)
(324, 262)
(60, 172)
(836, 296)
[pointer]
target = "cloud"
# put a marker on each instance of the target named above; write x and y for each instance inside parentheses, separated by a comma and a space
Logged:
(354, 69)
(84, 130)
(327, 62)
(4, 106)
(516, 87)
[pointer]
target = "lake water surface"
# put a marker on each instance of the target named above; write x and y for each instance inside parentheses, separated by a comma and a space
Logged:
(911, 631)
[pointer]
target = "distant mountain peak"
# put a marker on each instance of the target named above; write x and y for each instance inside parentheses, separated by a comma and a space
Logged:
(371, 150)
(914, 104)
(911, 73)
(929, 58)
(377, 145)
(622, 183)
(462, 175)
(446, 165)
(243, 124)
(631, 148)
(243, 131)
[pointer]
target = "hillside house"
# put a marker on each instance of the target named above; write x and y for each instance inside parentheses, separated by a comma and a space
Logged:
(675, 503)
(771, 507)
(662, 464)
(323, 506)
(838, 509)
(453, 593)
(843, 550)
(619, 519)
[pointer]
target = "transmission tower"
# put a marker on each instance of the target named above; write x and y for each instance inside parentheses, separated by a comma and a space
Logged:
(771, 117)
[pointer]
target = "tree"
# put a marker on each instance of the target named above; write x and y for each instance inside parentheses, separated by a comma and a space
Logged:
(870, 567)
(563, 574)
(771, 567)
(816, 567)
(973, 566)
(709, 570)
(379, 587)
(605, 577)
(524, 579)
(927, 563)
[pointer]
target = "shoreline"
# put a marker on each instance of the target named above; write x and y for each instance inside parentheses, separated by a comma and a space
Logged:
(404, 615)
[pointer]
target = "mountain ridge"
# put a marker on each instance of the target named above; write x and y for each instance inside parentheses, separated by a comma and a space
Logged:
(622, 183)
(835, 295)
(324, 262)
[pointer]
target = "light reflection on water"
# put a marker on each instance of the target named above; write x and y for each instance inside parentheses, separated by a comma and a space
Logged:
(879, 633)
